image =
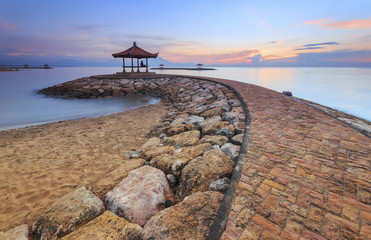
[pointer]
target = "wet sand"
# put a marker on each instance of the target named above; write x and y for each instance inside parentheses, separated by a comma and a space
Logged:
(40, 164)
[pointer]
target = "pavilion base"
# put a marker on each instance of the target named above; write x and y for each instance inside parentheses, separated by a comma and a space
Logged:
(135, 73)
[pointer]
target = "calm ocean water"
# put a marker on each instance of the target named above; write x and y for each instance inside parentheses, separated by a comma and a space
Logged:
(345, 89)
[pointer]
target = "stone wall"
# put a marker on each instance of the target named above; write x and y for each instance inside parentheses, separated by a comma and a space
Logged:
(188, 162)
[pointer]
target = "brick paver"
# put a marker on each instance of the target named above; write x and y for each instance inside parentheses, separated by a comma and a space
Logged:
(305, 174)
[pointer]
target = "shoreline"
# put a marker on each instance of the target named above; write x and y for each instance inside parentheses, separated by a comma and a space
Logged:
(42, 163)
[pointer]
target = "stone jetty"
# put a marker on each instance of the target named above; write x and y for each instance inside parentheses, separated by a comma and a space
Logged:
(272, 169)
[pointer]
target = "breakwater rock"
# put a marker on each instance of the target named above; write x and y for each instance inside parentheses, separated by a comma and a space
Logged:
(193, 152)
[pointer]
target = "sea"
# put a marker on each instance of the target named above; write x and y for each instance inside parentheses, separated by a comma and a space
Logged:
(344, 89)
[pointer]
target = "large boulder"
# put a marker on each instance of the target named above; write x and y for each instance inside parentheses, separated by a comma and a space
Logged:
(220, 128)
(69, 212)
(113, 178)
(212, 112)
(214, 140)
(231, 150)
(210, 121)
(140, 195)
(183, 139)
(17, 233)
(190, 219)
(181, 128)
(153, 152)
(106, 226)
(181, 157)
(200, 172)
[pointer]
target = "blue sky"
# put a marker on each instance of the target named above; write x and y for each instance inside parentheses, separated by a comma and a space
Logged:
(219, 33)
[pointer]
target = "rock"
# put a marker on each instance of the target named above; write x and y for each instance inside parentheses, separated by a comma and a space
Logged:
(200, 172)
(152, 142)
(17, 233)
(190, 219)
(231, 150)
(220, 185)
(287, 93)
(210, 121)
(225, 132)
(182, 128)
(113, 178)
(238, 139)
(172, 180)
(238, 110)
(224, 128)
(217, 147)
(196, 120)
(140, 195)
(153, 152)
(231, 117)
(223, 104)
(214, 140)
(133, 154)
(239, 127)
(234, 102)
(184, 139)
(212, 112)
(68, 213)
(166, 162)
(176, 122)
(106, 226)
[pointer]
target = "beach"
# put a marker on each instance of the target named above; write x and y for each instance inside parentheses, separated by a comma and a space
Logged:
(40, 164)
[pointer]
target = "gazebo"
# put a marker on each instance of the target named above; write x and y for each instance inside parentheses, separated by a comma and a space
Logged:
(134, 52)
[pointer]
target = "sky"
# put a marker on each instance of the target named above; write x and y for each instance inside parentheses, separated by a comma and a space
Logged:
(215, 33)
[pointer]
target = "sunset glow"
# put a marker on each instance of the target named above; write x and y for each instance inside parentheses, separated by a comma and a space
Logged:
(215, 32)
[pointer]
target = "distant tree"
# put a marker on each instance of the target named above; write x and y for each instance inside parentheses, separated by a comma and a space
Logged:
(46, 66)
(25, 66)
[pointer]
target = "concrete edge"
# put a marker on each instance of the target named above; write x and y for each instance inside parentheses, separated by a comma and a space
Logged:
(349, 125)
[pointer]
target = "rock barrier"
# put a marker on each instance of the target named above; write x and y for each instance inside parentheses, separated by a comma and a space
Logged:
(191, 156)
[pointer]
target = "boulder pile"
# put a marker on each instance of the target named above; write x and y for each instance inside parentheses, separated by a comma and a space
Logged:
(175, 184)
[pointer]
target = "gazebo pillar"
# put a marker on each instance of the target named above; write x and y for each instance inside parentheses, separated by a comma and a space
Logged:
(123, 65)
(146, 64)
(137, 64)
(132, 66)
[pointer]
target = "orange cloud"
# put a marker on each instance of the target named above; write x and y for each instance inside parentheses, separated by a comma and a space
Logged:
(225, 58)
(351, 24)
(314, 22)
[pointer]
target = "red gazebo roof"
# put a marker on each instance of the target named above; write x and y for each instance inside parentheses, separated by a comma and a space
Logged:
(134, 52)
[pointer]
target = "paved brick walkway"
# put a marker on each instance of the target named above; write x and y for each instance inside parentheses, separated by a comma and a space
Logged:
(305, 175)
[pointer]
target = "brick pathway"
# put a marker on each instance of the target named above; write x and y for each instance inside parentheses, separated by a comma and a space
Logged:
(305, 175)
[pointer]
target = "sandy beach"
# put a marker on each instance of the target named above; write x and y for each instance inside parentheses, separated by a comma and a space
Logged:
(40, 164)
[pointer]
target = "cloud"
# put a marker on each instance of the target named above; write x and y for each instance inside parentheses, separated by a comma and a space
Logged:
(240, 57)
(320, 44)
(312, 46)
(351, 24)
(308, 48)
(6, 26)
(271, 42)
(314, 22)
(256, 59)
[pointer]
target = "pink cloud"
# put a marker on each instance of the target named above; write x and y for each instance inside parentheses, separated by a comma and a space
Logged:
(225, 58)
(6, 26)
(314, 22)
(351, 24)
